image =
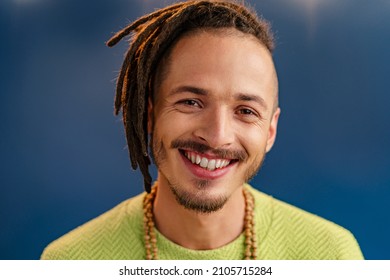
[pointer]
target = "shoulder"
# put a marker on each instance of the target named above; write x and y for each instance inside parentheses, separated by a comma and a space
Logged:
(293, 233)
(116, 234)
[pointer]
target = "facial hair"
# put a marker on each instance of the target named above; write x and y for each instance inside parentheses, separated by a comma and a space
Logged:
(199, 201)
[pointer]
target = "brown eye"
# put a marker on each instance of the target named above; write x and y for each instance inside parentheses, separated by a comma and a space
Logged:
(188, 105)
(190, 102)
(247, 112)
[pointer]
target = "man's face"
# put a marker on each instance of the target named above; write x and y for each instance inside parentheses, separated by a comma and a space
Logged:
(213, 118)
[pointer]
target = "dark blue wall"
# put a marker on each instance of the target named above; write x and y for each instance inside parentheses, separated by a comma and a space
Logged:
(62, 155)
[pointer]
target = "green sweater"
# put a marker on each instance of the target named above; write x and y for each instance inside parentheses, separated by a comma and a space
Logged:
(284, 232)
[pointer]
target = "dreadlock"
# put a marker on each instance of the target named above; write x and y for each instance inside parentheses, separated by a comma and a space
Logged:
(152, 37)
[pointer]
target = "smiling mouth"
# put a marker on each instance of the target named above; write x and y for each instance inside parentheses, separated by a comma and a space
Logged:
(210, 164)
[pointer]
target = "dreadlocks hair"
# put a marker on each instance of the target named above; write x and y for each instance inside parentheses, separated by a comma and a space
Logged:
(152, 37)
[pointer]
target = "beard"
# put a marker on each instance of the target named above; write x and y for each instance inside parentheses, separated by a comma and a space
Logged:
(200, 200)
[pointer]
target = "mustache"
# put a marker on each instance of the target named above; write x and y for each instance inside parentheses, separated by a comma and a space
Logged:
(240, 155)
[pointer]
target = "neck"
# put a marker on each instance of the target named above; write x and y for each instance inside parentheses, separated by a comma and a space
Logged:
(194, 230)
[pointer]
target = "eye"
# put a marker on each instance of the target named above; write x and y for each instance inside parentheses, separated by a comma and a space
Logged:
(248, 114)
(190, 102)
(188, 105)
(246, 111)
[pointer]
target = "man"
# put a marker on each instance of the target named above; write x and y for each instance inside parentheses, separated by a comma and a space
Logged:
(199, 79)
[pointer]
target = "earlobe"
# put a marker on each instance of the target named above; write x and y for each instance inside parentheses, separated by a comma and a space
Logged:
(273, 130)
(150, 115)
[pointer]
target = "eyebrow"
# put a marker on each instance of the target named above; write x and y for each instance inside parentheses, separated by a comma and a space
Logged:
(191, 89)
(238, 96)
(253, 98)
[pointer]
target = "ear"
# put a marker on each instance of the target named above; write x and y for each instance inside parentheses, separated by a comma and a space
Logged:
(150, 115)
(272, 130)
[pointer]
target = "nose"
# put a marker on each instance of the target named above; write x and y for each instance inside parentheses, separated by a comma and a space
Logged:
(215, 128)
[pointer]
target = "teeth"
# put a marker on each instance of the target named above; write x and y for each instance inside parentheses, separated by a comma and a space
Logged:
(211, 164)
(204, 162)
(193, 158)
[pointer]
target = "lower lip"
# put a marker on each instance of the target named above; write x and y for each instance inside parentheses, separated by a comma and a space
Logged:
(205, 173)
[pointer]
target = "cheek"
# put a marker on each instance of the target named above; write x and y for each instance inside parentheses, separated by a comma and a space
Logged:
(172, 126)
(253, 140)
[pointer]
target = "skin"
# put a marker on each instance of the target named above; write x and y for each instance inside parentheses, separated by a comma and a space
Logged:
(218, 91)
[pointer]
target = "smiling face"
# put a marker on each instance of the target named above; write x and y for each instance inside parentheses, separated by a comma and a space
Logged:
(213, 117)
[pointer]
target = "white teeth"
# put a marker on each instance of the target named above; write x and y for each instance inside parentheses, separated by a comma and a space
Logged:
(210, 164)
(204, 162)
(224, 163)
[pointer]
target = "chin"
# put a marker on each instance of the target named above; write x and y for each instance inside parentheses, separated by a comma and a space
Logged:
(199, 198)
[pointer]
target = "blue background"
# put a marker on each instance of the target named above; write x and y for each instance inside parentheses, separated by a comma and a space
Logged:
(63, 156)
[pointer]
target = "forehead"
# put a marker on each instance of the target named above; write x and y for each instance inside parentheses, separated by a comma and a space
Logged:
(220, 60)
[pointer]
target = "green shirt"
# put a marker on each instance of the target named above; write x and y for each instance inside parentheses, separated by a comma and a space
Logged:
(283, 232)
